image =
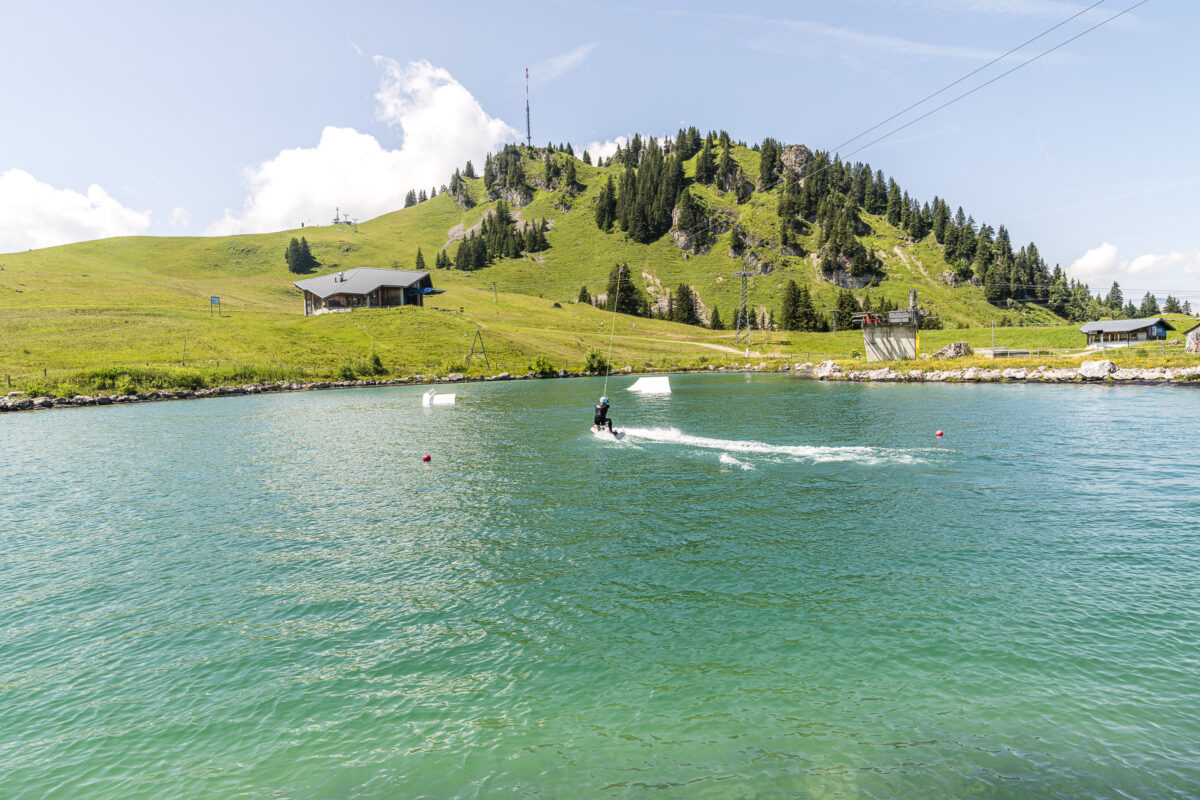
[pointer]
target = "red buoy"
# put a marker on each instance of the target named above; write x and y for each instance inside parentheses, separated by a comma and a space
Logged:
(939, 435)
(430, 458)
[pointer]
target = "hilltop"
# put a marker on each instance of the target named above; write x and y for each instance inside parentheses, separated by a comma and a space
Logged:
(682, 216)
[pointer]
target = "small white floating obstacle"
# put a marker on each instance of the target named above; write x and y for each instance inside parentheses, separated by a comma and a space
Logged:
(432, 398)
(659, 384)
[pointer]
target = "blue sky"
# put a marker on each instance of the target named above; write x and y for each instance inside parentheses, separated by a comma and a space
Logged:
(220, 117)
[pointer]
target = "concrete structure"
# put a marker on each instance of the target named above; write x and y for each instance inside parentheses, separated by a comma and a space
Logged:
(889, 342)
(364, 287)
(1106, 334)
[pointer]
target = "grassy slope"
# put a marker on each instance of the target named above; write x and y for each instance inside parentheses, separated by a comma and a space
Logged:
(133, 301)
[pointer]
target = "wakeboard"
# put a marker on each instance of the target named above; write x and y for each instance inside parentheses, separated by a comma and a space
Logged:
(603, 433)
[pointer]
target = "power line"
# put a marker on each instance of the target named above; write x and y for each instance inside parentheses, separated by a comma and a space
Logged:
(706, 226)
(970, 74)
(989, 82)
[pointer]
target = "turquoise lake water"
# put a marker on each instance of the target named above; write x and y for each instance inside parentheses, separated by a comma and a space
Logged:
(772, 588)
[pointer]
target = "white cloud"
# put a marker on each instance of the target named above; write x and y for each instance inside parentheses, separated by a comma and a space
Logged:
(1162, 273)
(35, 214)
(1098, 263)
(179, 218)
(551, 68)
(441, 127)
(1049, 8)
(603, 149)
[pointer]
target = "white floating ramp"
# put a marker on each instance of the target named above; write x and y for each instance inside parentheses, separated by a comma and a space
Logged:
(658, 384)
(432, 398)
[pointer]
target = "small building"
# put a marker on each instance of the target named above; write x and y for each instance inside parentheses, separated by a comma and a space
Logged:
(364, 287)
(1124, 332)
(1191, 339)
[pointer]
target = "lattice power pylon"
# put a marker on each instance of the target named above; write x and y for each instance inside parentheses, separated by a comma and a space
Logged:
(743, 315)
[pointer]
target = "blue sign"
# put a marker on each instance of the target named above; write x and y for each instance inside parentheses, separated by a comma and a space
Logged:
(214, 301)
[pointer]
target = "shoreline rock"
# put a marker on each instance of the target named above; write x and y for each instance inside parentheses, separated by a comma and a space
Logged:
(1088, 373)
(1091, 372)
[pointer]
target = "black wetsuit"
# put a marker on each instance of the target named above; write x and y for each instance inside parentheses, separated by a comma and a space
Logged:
(602, 416)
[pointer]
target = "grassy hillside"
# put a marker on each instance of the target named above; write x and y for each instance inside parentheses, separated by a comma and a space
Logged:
(138, 301)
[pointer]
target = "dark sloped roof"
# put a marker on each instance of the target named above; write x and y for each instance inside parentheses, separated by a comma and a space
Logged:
(361, 280)
(1124, 325)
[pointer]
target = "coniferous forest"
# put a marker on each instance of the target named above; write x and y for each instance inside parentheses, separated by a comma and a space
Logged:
(693, 189)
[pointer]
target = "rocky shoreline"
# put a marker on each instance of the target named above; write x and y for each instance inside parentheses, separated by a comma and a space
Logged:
(17, 401)
(1101, 371)
(1088, 372)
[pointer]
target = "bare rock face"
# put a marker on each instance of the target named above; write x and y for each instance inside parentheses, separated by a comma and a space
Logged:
(514, 196)
(1096, 370)
(826, 369)
(948, 277)
(754, 262)
(796, 159)
(954, 350)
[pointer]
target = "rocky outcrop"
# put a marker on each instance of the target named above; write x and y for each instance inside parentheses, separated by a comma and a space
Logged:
(736, 182)
(756, 262)
(826, 369)
(796, 159)
(515, 196)
(1096, 370)
(954, 350)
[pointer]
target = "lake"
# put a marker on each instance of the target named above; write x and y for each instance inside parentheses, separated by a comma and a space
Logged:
(771, 588)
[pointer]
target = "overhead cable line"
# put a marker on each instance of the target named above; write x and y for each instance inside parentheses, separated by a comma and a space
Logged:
(970, 74)
(889, 134)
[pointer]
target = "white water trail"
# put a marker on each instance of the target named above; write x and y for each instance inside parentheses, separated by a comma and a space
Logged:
(730, 461)
(807, 453)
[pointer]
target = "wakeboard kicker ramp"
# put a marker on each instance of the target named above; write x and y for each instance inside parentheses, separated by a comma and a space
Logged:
(432, 398)
(658, 384)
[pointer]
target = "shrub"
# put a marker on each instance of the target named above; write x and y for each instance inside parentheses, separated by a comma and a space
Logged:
(596, 362)
(541, 366)
(346, 373)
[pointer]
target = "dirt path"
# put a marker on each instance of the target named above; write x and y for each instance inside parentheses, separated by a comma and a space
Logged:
(911, 261)
(721, 347)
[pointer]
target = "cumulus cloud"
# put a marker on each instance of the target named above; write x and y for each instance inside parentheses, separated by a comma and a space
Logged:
(1163, 273)
(441, 126)
(604, 149)
(551, 68)
(35, 214)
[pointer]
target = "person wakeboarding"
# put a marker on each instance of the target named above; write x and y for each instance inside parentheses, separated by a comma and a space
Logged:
(602, 416)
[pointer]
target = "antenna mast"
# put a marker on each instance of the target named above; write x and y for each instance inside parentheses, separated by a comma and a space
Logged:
(528, 132)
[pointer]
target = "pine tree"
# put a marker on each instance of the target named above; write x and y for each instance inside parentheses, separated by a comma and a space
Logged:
(1149, 307)
(469, 169)
(706, 168)
(770, 162)
(1171, 306)
(846, 307)
(1115, 299)
(714, 320)
(789, 307)
(624, 294)
(726, 167)
(294, 257)
(420, 260)
(683, 307)
(584, 297)
(587, 158)
(809, 319)
(410, 199)
(422, 197)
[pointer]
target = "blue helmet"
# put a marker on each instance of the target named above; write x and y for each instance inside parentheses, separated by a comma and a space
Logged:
(603, 399)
